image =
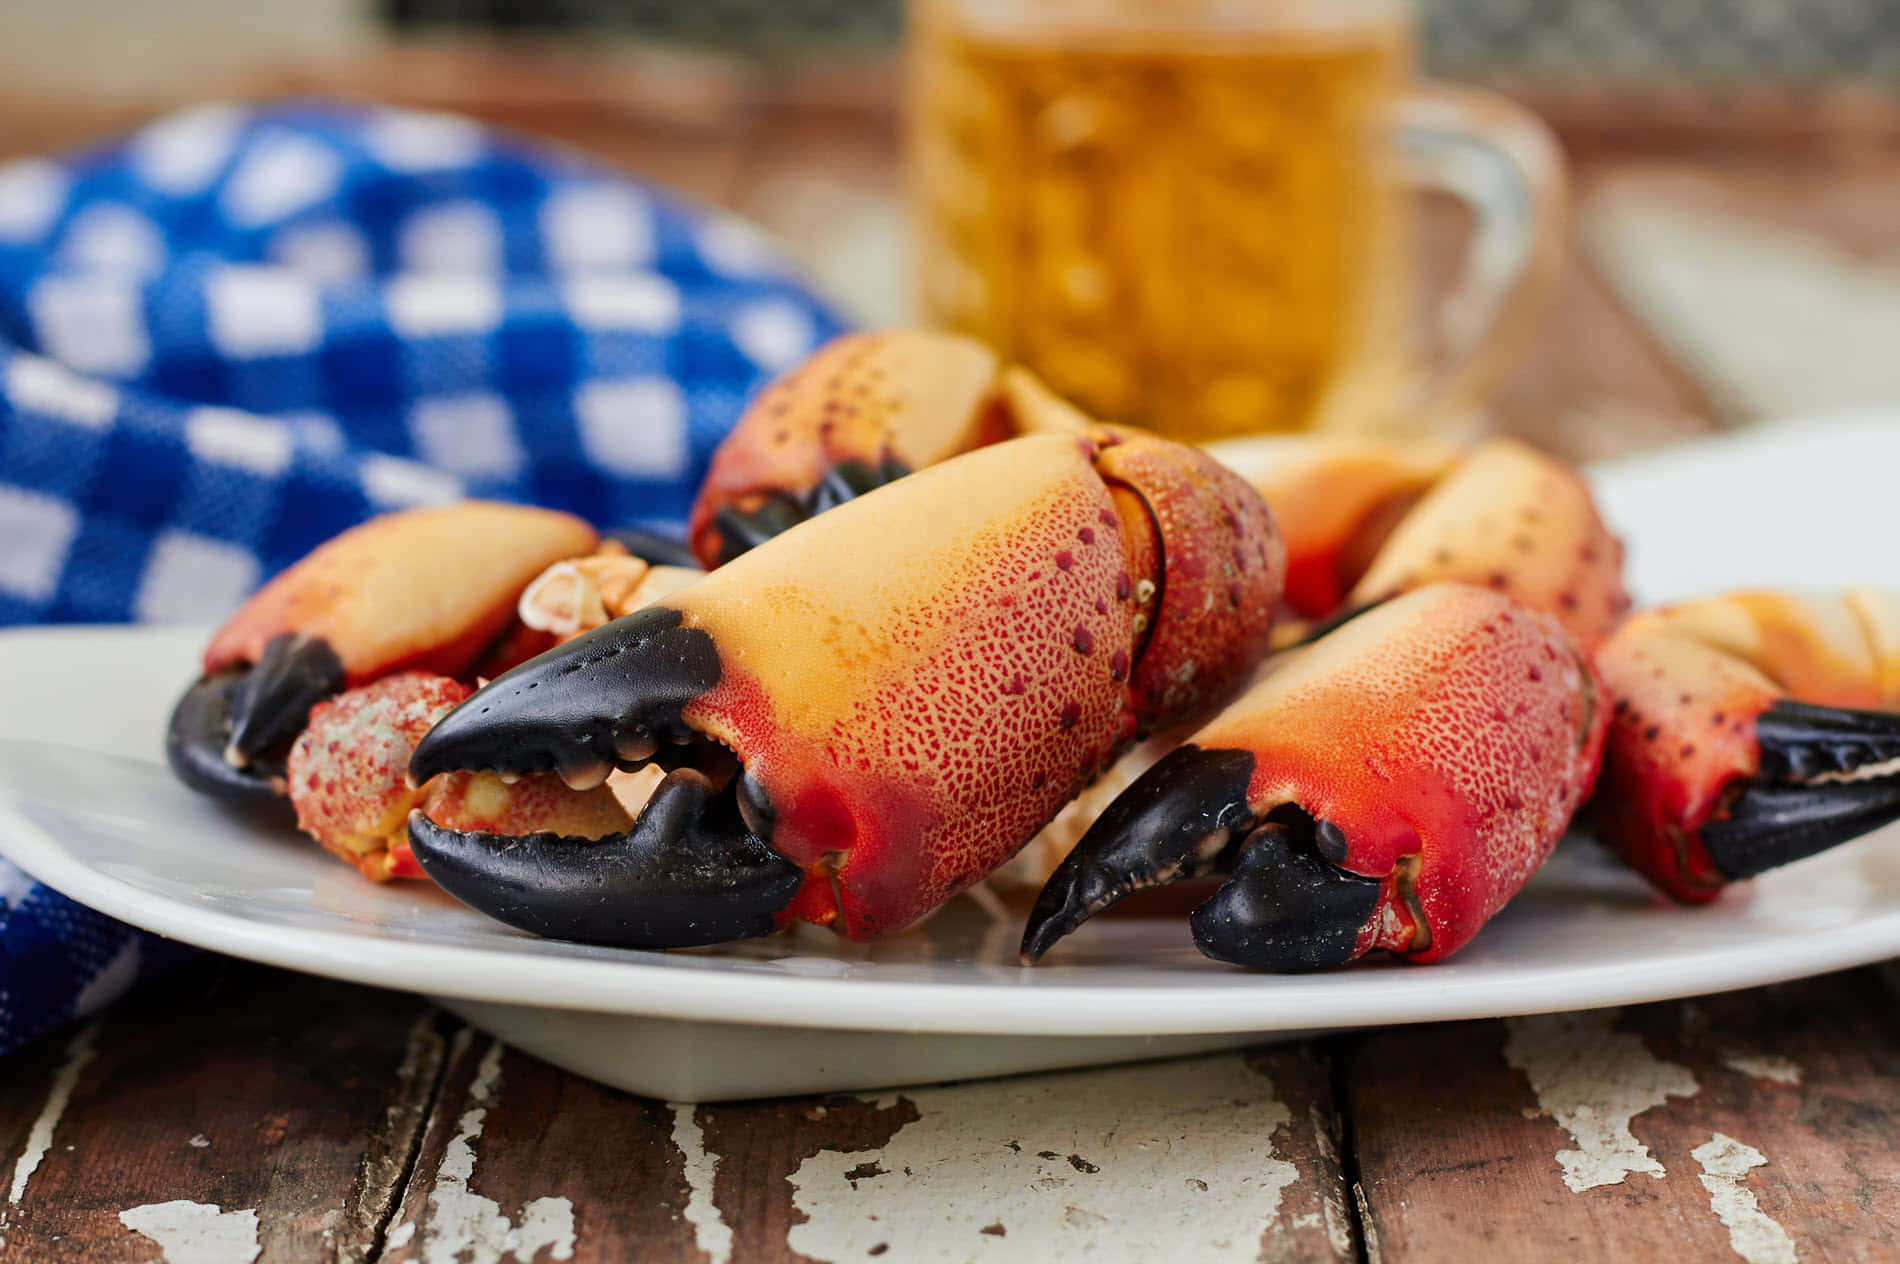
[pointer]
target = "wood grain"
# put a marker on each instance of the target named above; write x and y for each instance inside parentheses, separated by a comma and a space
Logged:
(520, 1158)
(1774, 1110)
(238, 1086)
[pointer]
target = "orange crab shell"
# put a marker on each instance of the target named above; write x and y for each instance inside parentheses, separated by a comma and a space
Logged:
(429, 589)
(1688, 682)
(949, 689)
(915, 396)
(1450, 734)
(906, 394)
(1335, 500)
(1510, 518)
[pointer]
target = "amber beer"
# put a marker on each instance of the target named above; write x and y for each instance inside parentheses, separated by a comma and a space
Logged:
(1180, 217)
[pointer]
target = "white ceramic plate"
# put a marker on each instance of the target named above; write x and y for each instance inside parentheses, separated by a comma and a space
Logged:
(86, 806)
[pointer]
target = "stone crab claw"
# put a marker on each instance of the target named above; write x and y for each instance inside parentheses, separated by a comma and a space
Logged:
(866, 409)
(863, 716)
(428, 589)
(1749, 730)
(1390, 785)
(1366, 520)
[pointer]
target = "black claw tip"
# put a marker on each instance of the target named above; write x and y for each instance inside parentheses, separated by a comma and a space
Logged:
(742, 530)
(195, 742)
(1286, 908)
(686, 874)
(656, 550)
(581, 704)
(1176, 821)
(272, 701)
(229, 732)
(1820, 784)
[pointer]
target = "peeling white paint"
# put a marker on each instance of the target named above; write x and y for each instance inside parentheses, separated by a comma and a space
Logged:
(400, 1236)
(199, 1141)
(1161, 1161)
(39, 1138)
(463, 1227)
(710, 1231)
(1764, 1066)
(1594, 1081)
(196, 1233)
(1367, 1225)
(1752, 1233)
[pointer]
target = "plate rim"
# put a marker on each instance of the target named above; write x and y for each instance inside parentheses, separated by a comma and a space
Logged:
(1389, 995)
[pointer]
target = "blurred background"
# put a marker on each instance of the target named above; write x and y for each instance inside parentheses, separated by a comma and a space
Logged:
(1731, 255)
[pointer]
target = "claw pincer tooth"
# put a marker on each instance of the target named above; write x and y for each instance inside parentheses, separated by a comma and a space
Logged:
(912, 684)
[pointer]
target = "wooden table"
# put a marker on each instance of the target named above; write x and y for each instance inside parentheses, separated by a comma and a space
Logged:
(237, 1107)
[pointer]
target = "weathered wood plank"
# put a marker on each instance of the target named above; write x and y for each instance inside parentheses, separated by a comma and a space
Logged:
(1756, 1124)
(1230, 1157)
(236, 1104)
(520, 1159)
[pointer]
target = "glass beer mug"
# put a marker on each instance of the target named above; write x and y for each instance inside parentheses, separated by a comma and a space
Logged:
(1193, 214)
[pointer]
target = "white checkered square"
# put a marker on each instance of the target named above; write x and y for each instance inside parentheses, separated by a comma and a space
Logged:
(472, 435)
(111, 237)
(774, 334)
(190, 578)
(413, 141)
(597, 227)
(277, 178)
(735, 248)
(451, 237)
(331, 253)
(393, 483)
(635, 427)
(424, 305)
(44, 386)
(252, 312)
(32, 194)
(95, 324)
(229, 436)
(639, 302)
(182, 154)
(39, 531)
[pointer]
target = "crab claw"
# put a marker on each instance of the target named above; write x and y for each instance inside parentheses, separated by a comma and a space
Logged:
(890, 699)
(1390, 785)
(1750, 730)
(1366, 521)
(865, 410)
(428, 589)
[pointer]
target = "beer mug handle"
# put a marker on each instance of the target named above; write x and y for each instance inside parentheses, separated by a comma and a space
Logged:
(1501, 161)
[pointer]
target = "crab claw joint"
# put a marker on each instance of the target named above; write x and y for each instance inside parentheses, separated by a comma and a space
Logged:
(867, 714)
(1390, 785)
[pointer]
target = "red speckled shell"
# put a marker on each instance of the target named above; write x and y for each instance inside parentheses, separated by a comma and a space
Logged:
(1510, 518)
(923, 676)
(1334, 499)
(1687, 682)
(1682, 731)
(1224, 571)
(348, 780)
(1451, 724)
(427, 588)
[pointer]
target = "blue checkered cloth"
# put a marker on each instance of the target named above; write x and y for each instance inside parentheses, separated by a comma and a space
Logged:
(232, 334)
